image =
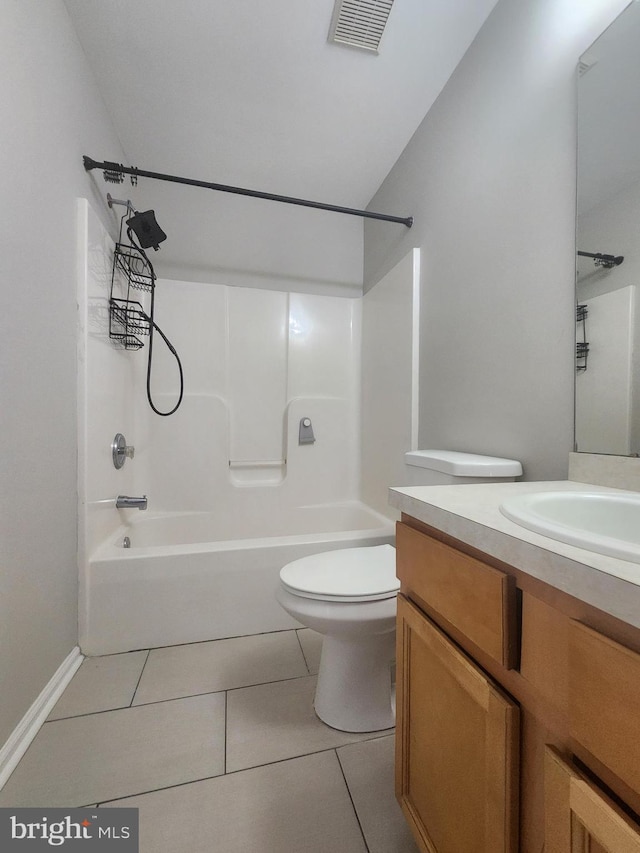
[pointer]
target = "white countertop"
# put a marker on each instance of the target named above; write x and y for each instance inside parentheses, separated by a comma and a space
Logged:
(471, 514)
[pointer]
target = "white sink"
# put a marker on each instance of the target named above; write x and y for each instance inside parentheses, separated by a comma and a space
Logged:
(605, 522)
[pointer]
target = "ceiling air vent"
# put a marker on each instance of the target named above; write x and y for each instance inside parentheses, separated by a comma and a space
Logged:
(359, 23)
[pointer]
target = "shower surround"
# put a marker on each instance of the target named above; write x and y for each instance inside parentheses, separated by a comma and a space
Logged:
(232, 494)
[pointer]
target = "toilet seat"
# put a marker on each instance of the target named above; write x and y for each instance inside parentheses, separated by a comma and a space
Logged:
(348, 575)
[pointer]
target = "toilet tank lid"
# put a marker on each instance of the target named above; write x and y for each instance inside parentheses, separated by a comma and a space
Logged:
(463, 464)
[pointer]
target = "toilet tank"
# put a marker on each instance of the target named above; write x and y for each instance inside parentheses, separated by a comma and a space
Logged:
(442, 467)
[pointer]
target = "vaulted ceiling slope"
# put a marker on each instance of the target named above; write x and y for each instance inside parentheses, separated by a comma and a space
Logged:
(251, 93)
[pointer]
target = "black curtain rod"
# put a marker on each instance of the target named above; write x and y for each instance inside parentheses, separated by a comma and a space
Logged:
(114, 169)
(604, 260)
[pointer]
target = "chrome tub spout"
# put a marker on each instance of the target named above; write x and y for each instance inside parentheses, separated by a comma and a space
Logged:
(125, 502)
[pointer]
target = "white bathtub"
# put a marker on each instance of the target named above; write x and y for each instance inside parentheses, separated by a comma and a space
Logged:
(203, 576)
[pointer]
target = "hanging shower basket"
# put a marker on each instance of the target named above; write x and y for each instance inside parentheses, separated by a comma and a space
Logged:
(582, 347)
(127, 318)
(134, 266)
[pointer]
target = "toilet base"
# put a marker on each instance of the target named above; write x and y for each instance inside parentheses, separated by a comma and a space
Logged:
(354, 683)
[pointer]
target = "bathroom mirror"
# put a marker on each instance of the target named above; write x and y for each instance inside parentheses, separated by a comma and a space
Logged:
(607, 291)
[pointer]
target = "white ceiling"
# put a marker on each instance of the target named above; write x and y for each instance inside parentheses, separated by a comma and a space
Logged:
(250, 93)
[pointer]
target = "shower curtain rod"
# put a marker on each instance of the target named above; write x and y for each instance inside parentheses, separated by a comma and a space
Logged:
(603, 260)
(115, 169)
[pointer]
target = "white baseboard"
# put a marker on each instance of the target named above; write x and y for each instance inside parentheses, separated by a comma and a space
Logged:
(29, 725)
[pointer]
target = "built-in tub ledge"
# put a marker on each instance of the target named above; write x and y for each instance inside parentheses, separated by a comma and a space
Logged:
(251, 472)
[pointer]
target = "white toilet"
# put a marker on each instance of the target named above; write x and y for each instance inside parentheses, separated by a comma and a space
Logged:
(349, 596)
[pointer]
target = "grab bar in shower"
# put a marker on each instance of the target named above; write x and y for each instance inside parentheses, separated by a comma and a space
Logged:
(258, 463)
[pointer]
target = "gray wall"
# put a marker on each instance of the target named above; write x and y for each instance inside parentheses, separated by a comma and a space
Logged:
(51, 116)
(490, 178)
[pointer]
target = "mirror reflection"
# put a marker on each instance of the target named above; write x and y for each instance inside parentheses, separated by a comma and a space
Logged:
(608, 242)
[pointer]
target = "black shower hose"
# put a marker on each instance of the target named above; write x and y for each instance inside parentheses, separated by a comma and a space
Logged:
(153, 327)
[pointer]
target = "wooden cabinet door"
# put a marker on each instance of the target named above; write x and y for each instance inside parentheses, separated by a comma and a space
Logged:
(457, 738)
(578, 817)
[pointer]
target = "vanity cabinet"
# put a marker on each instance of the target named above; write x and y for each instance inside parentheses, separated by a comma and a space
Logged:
(518, 708)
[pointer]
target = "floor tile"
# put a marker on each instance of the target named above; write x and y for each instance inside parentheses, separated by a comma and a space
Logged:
(369, 770)
(272, 722)
(101, 684)
(102, 756)
(296, 806)
(311, 643)
(219, 665)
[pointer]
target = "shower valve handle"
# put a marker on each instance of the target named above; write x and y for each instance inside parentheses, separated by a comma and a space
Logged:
(121, 451)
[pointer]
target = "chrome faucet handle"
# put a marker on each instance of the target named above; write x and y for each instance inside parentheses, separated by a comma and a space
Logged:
(121, 451)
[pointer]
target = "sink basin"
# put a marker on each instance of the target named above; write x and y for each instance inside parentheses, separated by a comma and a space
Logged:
(604, 522)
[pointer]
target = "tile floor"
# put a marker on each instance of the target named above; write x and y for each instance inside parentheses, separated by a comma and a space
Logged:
(218, 747)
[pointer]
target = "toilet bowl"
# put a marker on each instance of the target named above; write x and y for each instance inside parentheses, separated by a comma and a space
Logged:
(349, 596)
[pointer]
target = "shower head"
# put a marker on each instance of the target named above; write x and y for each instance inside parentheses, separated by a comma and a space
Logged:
(146, 229)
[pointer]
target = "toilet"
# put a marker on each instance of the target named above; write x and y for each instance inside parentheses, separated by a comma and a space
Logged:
(349, 596)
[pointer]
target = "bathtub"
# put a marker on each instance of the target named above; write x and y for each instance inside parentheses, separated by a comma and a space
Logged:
(189, 577)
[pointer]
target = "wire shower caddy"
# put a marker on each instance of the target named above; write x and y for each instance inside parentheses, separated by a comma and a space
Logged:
(128, 321)
(582, 347)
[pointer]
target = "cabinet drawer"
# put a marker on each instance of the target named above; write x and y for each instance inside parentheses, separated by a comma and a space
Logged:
(604, 701)
(475, 598)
